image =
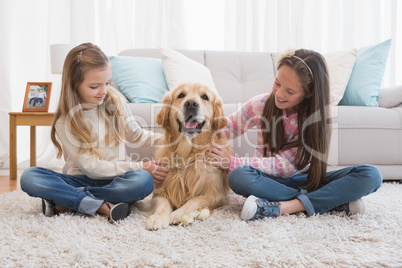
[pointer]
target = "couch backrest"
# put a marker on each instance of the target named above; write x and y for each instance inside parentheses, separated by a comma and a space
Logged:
(238, 76)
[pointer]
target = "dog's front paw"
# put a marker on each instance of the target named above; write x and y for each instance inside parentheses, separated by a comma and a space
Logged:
(156, 222)
(178, 216)
(203, 214)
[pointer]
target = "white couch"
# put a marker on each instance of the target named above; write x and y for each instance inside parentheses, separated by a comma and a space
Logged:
(361, 135)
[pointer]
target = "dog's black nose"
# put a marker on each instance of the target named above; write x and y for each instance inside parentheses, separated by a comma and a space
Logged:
(192, 104)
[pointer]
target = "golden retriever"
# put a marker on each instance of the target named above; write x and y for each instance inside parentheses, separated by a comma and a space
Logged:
(191, 118)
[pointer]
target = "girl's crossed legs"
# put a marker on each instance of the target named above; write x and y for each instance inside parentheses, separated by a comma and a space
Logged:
(343, 186)
(82, 194)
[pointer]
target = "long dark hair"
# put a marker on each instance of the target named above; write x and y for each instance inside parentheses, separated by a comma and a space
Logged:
(313, 115)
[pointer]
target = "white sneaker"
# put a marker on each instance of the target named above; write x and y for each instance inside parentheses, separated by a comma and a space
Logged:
(357, 207)
(256, 208)
(352, 208)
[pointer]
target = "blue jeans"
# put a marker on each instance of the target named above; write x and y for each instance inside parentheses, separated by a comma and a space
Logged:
(342, 187)
(82, 194)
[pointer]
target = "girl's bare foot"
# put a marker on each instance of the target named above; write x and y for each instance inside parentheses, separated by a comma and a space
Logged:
(61, 208)
(104, 209)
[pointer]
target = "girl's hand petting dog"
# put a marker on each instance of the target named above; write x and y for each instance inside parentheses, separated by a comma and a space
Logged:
(157, 172)
(220, 157)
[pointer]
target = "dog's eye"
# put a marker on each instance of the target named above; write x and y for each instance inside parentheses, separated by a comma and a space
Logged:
(205, 97)
(181, 95)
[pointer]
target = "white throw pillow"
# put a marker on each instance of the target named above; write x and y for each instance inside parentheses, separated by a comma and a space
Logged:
(340, 66)
(179, 69)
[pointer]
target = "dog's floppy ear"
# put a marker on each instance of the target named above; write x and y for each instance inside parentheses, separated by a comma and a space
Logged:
(162, 118)
(220, 120)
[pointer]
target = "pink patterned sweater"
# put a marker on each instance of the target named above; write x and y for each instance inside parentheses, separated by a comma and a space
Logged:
(250, 115)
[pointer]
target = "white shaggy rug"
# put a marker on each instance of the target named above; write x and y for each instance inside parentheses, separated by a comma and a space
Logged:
(29, 239)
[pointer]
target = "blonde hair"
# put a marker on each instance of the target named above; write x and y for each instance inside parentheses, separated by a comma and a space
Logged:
(78, 61)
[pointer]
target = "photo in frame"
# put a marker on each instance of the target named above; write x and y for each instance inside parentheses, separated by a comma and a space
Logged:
(37, 97)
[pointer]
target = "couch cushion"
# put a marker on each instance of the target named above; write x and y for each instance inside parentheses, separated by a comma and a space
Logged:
(357, 130)
(145, 113)
(239, 76)
(356, 117)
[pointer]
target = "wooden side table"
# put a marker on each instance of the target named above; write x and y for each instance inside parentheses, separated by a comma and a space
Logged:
(26, 119)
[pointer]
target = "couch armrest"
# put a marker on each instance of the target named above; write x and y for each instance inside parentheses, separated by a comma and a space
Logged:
(390, 97)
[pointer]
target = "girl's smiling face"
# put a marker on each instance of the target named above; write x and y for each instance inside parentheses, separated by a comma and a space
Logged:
(288, 90)
(95, 86)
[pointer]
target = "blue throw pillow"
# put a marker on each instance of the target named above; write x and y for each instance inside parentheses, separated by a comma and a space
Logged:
(139, 79)
(365, 81)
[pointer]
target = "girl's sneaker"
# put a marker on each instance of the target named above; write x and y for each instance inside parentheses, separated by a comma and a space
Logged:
(48, 208)
(118, 212)
(352, 208)
(256, 208)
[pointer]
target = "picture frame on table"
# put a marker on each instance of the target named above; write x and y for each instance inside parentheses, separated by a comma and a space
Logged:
(37, 97)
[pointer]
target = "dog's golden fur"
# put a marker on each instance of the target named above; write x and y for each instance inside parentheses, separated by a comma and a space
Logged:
(192, 189)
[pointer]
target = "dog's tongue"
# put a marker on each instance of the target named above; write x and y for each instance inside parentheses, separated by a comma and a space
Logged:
(191, 125)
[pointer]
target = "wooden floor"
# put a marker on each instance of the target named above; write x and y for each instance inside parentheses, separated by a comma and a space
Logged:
(7, 185)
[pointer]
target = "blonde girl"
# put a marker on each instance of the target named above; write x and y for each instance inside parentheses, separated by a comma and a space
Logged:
(89, 130)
